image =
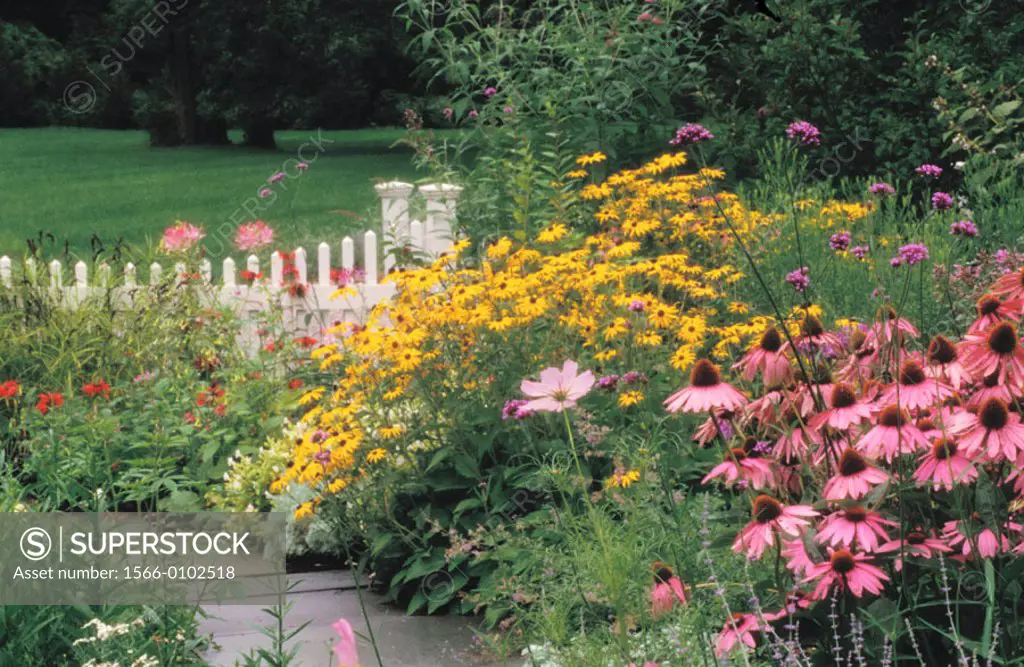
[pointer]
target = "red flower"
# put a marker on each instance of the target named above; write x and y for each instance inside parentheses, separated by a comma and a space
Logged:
(97, 388)
(190, 418)
(9, 389)
(220, 410)
(306, 341)
(46, 399)
(295, 384)
(271, 347)
(297, 290)
(250, 276)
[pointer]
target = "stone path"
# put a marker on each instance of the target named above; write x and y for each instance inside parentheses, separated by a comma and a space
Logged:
(323, 597)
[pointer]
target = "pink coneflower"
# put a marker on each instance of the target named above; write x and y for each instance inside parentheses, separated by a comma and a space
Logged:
(514, 409)
(894, 434)
(804, 133)
(795, 442)
(1010, 286)
(991, 311)
(881, 189)
(890, 327)
(771, 520)
(448, 113)
(854, 479)
(997, 349)
(847, 571)
(840, 241)
(797, 559)
(930, 170)
(913, 389)
(706, 391)
(854, 524)
(943, 466)
(970, 532)
(716, 425)
(943, 362)
(668, 589)
(965, 228)
(181, 237)
(767, 357)
(557, 389)
(990, 387)
(254, 235)
(942, 201)
(691, 133)
(738, 630)
(994, 431)
(745, 468)
(916, 543)
(844, 410)
(813, 337)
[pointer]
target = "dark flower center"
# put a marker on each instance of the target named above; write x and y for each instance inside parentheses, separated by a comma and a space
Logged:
(887, 313)
(893, 417)
(856, 513)
(705, 374)
(941, 351)
(1003, 339)
(987, 305)
(911, 373)
(926, 425)
(944, 449)
(843, 562)
(993, 414)
(771, 341)
(812, 326)
(851, 463)
(915, 537)
(750, 448)
(843, 396)
(991, 380)
(766, 509)
(738, 453)
(857, 340)
(662, 572)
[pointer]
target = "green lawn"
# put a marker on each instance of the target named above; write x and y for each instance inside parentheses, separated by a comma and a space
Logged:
(76, 183)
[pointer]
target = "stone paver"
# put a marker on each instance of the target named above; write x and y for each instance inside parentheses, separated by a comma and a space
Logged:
(322, 598)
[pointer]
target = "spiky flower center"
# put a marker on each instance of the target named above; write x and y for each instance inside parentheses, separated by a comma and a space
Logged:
(856, 514)
(705, 374)
(1003, 339)
(911, 374)
(994, 414)
(893, 417)
(988, 305)
(941, 351)
(812, 326)
(944, 449)
(738, 453)
(766, 509)
(662, 572)
(915, 537)
(843, 561)
(843, 396)
(771, 341)
(887, 313)
(851, 463)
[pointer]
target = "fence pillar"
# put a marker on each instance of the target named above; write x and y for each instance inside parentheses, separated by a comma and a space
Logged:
(394, 204)
(441, 201)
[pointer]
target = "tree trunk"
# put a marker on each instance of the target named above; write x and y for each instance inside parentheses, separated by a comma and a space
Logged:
(260, 135)
(182, 90)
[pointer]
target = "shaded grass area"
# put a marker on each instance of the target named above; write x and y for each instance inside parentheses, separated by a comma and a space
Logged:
(67, 186)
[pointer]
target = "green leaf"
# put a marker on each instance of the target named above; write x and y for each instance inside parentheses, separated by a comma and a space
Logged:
(1005, 109)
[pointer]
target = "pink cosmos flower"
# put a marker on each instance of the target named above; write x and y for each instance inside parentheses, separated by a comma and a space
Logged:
(968, 533)
(844, 410)
(913, 389)
(557, 389)
(738, 630)
(994, 432)
(991, 311)
(181, 237)
(847, 571)
(668, 589)
(706, 391)
(254, 235)
(944, 466)
(894, 435)
(854, 524)
(766, 357)
(854, 479)
(772, 519)
(346, 649)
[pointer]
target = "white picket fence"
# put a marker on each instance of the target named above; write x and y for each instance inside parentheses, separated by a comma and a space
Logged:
(307, 311)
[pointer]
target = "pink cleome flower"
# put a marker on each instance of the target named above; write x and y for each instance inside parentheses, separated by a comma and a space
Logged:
(181, 237)
(254, 235)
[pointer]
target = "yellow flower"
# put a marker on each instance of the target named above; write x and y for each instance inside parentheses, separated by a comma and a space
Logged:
(376, 454)
(738, 308)
(692, 329)
(391, 432)
(593, 158)
(683, 358)
(662, 315)
(630, 398)
(647, 339)
(500, 249)
(577, 173)
(622, 479)
(606, 355)
(303, 510)
(553, 233)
